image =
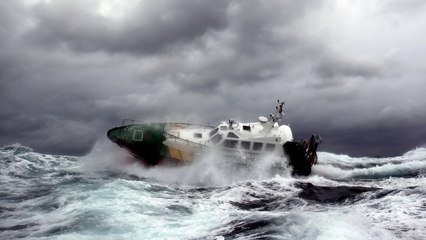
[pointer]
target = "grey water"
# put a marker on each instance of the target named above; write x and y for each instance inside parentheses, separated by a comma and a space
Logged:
(109, 195)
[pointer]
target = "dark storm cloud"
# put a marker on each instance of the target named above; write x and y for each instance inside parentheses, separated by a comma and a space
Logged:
(253, 46)
(69, 70)
(334, 70)
(147, 28)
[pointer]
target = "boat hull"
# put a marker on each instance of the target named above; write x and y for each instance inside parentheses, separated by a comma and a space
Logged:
(147, 143)
(170, 143)
(144, 141)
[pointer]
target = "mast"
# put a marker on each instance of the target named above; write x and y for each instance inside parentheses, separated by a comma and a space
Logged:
(279, 112)
(277, 116)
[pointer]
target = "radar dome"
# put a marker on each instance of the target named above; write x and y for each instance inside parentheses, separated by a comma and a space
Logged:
(263, 119)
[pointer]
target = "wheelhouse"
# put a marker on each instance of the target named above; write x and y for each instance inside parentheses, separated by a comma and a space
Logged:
(230, 136)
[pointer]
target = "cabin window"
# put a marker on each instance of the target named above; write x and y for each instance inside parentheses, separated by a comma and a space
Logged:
(257, 146)
(230, 143)
(245, 145)
(223, 128)
(269, 147)
(214, 131)
(216, 138)
(246, 128)
(198, 135)
(137, 135)
(232, 135)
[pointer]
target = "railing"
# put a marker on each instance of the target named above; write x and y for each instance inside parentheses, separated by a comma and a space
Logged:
(182, 139)
(126, 122)
(169, 125)
(185, 125)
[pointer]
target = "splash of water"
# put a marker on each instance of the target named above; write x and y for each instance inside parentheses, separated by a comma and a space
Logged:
(210, 168)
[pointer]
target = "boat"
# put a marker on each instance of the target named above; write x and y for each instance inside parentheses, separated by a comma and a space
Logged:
(181, 143)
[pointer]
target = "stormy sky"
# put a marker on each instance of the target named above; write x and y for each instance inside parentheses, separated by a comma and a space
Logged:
(353, 71)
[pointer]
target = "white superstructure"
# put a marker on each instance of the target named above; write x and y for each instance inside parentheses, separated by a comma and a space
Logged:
(252, 139)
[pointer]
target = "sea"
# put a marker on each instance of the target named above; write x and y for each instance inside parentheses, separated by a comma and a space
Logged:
(110, 195)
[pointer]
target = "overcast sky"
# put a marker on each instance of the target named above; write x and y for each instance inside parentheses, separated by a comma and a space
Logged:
(70, 70)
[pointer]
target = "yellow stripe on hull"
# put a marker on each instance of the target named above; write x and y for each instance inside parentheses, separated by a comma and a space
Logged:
(179, 155)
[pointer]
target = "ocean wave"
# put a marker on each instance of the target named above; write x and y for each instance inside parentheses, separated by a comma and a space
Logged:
(108, 195)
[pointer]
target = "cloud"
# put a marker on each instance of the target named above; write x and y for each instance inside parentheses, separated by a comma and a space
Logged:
(333, 70)
(148, 27)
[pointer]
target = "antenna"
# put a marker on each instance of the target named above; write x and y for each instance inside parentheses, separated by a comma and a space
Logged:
(279, 114)
(289, 91)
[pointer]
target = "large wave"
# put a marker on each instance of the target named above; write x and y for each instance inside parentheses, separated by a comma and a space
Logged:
(212, 170)
(109, 195)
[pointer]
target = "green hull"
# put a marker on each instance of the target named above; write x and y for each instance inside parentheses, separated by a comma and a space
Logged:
(144, 141)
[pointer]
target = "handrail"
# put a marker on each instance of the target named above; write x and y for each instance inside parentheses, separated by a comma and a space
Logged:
(123, 123)
(176, 137)
(190, 124)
